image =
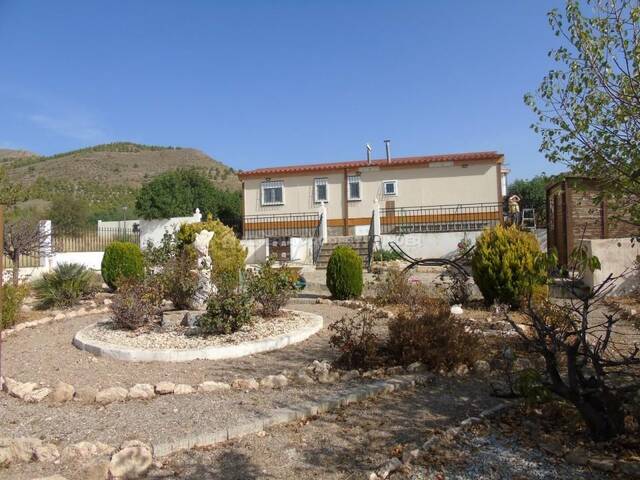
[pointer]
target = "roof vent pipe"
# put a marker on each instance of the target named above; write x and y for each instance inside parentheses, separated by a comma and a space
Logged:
(368, 154)
(387, 144)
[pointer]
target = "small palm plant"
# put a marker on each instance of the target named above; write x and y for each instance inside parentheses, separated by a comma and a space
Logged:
(64, 286)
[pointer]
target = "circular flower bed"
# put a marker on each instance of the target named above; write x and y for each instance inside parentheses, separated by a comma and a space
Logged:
(174, 346)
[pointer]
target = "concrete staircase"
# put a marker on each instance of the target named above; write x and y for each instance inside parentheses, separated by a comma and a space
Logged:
(359, 243)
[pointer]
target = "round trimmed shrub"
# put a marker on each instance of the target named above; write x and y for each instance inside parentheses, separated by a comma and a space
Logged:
(122, 260)
(505, 267)
(344, 273)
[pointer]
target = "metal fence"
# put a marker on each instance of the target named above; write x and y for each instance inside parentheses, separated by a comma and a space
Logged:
(280, 225)
(440, 218)
(90, 240)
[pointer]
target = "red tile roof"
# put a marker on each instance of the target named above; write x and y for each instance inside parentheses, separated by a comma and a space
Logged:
(395, 162)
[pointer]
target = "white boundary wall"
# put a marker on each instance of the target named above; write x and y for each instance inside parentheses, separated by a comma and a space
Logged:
(616, 256)
(429, 245)
(154, 230)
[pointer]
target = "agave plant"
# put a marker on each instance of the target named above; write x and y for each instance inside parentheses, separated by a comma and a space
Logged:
(64, 286)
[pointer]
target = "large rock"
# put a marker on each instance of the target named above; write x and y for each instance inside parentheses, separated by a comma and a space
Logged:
(210, 386)
(142, 391)
(19, 389)
(37, 396)
(274, 381)
(183, 389)
(62, 392)
(47, 453)
(481, 367)
(6, 457)
(80, 450)
(302, 378)
(96, 469)
(22, 449)
(165, 388)
(132, 461)
(112, 394)
(86, 394)
(245, 384)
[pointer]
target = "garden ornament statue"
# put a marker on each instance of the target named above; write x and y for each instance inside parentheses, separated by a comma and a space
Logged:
(206, 288)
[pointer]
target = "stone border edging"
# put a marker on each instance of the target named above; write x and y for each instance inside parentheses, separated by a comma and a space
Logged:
(58, 317)
(286, 415)
(82, 341)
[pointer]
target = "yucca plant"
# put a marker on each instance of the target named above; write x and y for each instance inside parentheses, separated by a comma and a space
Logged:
(64, 286)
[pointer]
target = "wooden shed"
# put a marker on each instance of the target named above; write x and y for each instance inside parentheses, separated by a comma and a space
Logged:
(574, 214)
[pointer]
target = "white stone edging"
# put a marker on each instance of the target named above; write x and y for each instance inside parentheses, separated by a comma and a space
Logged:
(82, 341)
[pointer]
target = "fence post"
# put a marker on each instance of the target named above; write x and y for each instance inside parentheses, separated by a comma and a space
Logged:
(46, 249)
(197, 215)
(324, 230)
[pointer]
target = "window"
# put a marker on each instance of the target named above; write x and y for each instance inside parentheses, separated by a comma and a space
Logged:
(390, 187)
(273, 193)
(354, 187)
(321, 189)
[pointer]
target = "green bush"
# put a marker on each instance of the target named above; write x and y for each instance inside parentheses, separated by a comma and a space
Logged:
(227, 312)
(227, 253)
(344, 273)
(137, 303)
(383, 255)
(122, 260)
(12, 298)
(505, 265)
(64, 286)
(271, 287)
(180, 277)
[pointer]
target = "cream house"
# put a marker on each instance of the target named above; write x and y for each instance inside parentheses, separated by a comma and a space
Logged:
(425, 194)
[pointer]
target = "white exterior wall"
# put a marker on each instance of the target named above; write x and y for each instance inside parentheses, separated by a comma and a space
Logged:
(256, 250)
(616, 255)
(429, 245)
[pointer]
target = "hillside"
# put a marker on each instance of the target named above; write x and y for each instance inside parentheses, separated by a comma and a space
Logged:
(107, 177)
(122, 164)
(8, 154)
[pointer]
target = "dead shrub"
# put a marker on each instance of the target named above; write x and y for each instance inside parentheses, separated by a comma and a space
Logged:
(428, 333)
(356, 340)
(137, 303)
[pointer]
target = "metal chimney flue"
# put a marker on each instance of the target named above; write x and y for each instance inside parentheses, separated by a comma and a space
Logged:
(387, 144)
(368, 154)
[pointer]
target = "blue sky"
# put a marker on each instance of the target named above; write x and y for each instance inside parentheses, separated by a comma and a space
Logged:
(259, 83)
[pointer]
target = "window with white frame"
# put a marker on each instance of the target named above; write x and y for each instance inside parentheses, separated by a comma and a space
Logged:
(272, 192)
(390, 187)
(321, 190)
(353, 189)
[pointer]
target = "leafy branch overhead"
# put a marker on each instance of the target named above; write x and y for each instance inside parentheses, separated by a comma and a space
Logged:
(588, 108)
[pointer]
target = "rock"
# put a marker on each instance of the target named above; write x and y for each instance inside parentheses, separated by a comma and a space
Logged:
(37, 396)
(6, 458)
(131, 462)
(395, 370)
(274, 381)
(107, 301)
(97, 469)
(62, 392)
(245, 384)
(23, 449)
(325, 301)
(165, 388)
(105, 449)
(482, 367)
(207, 387)
(110, 395)
(52, 477)
(577, 456)
(80, 450)
(18, 389)
(373, 476)
(190, 320)
(141, 391)
(136, 443)
(462, 370)
(603, 464)
(415, 367)
(456, 310)
(47, 453)
(409, 456)
(182, 389)
(59, 316)
(303, 378)
(390, 467)
(318, 368)
(629, 468)
(86, 394)
(522, 364)
(328, 377)
(350, 375)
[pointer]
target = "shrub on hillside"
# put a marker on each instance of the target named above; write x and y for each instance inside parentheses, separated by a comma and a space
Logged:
(65, 285)
(137, 303)
(227, 253)
(227, 311)
(429, 334)
(344, 273)
(180, 277)
(356, 340)
(504, 263)
(271, 287)
(122, 260)
(12, 298)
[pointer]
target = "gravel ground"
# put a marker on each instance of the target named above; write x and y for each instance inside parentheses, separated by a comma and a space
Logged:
(45, 354)
(159, 339)
(338, 445)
